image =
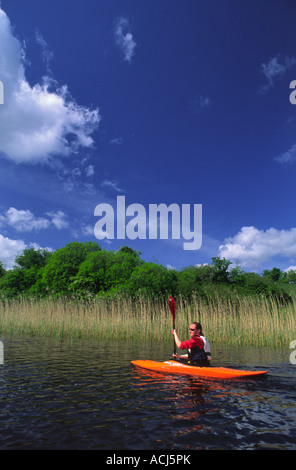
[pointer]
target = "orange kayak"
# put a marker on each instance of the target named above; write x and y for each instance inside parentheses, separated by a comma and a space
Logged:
(174, 367)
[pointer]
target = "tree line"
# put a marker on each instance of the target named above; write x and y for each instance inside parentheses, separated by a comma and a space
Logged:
(84, 270)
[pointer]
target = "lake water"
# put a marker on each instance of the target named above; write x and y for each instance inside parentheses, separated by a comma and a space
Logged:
(84, 394)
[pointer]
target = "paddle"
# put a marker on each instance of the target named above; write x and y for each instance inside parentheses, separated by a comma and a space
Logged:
(172, 307)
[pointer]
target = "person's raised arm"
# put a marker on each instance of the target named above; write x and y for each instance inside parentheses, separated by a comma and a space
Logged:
(177, 341)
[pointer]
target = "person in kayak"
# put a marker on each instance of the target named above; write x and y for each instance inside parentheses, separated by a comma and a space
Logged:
(199, 353)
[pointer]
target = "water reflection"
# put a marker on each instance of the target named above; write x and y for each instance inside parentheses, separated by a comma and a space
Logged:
(197, 405)
(86, 395)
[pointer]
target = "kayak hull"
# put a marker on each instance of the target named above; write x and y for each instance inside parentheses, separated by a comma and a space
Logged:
(174, 367)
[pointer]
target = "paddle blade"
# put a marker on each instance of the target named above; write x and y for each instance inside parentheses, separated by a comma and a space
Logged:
(172, 307)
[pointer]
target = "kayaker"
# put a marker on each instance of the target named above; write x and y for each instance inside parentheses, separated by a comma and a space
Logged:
(199, 353)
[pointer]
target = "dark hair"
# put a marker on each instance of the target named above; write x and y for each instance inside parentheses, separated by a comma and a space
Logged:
(197, 326)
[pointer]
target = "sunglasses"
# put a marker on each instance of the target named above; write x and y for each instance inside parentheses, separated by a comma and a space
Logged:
(191, 329)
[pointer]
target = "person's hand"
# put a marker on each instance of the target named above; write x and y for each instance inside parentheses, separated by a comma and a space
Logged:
(173, 332)
(175, 355)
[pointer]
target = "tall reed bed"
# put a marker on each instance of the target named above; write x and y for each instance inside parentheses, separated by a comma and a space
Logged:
(240, 321)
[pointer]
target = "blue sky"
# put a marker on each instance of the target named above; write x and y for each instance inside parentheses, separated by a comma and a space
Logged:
(161, 102)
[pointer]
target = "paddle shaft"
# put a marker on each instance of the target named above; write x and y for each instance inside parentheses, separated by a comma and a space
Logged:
(172, 307)
(174, 336)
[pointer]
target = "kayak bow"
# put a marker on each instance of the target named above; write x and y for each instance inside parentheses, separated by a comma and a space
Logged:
(174, 367)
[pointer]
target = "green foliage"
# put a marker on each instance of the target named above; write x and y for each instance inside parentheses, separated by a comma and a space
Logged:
(64, 264)
(23, 277)
(2, 269)
(273, 275)
(12, 283)
(193, 279)
(151, 279)
(84, 269)
(289, 277)
(236, 276)
(103, 270)
(31, 258)
(220, 268)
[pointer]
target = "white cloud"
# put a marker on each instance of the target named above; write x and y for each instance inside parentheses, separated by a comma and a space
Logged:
(251, 246)
(275, 70)
(117, 141)
(170, 267)
(58, 219)
(287, 157)
(90, 170)
(111, 185)
(124, 38)
(87, 230)
(41, 121)
(9, 249)
(200, 103)
(26, 221)
(47, 54)
(290, 268)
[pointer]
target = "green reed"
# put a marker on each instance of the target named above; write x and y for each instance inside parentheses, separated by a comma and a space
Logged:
(241, 321)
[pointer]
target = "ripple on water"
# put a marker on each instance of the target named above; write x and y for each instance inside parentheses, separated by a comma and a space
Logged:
(86, 395)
